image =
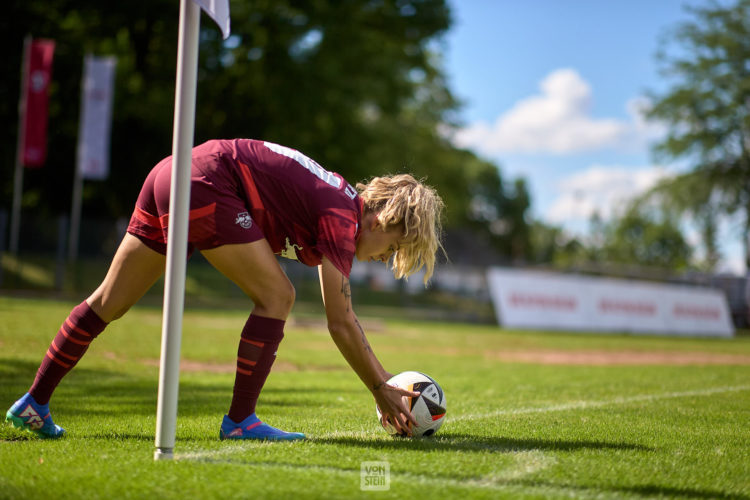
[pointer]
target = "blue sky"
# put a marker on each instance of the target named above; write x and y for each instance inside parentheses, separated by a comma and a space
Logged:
(551, 92)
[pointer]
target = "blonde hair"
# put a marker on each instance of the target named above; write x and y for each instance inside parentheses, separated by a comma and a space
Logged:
(401, 199)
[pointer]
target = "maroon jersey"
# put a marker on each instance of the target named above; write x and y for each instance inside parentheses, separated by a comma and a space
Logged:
(304, 210)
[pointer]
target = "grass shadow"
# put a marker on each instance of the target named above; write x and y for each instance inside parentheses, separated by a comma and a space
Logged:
(469, 443)
(97, 392)
(146, 436)
(650, 490)
(645, 490)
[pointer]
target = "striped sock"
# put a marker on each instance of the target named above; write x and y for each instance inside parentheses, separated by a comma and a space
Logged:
(66, 349)
(255, 355)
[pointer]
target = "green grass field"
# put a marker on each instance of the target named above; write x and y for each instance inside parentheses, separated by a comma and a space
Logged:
(669, 419)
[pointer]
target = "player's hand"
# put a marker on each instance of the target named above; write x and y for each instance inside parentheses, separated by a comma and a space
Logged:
(392, 402)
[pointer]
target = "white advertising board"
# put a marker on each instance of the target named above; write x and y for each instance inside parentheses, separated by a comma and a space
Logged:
(545, 300)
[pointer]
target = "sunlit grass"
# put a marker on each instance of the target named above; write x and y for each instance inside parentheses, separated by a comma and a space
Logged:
(514, 430)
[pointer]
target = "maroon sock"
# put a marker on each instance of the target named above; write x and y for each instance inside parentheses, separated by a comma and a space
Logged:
(255, 355)
(68, 346)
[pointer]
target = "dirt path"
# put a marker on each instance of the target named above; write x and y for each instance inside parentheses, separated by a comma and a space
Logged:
(604, 358)
(546, 357)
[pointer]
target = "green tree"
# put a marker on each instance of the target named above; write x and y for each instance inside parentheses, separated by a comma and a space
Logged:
(645, 238)
(707, 110)
(552, 246)
(503, 210)
(689, 194)
(356, 84)
(143, 36)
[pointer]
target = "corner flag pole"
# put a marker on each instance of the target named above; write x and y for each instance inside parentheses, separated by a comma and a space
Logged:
(179, 206)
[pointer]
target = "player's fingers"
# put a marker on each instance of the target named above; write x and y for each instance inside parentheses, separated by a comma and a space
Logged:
(396, 423)
(408, 393)
(404, 410)
(410, 417)
(405, 424)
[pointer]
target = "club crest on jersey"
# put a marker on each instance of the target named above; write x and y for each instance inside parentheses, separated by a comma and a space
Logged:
(244, 220)
(290, 252)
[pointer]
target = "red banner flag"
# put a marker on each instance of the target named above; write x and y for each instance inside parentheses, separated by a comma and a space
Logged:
(37, 77)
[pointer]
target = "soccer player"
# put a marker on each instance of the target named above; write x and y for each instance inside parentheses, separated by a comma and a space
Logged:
(250, 201)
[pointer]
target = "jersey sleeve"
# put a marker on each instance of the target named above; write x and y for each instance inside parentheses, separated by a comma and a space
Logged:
(337, 230)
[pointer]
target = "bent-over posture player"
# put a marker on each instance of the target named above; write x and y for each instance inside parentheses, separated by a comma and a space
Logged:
(251, 200)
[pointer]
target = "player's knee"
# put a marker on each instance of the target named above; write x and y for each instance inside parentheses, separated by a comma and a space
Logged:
(278, 302)
(286, 297)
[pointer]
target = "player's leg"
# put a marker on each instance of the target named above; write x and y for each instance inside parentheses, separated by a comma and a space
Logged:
(133, 271)
(254, 268)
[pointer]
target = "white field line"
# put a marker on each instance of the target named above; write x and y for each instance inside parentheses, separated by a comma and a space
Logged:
(502, 480)
(574, 405)
(579, 405)
(526, 463)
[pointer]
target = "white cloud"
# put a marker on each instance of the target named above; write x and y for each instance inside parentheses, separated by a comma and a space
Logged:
(606, 190)
(558, 120)
(733, 264)
(601, 189)
(640, 132)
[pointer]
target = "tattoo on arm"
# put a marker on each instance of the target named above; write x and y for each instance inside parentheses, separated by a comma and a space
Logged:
(377, 386)
(346, 289)
(364, 338)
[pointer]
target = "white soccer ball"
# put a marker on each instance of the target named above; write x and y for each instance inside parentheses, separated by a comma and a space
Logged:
(428, 408)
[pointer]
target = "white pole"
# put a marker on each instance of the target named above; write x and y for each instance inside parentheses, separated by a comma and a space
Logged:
(15, 215)
(179, 205)
(75, 215)
(75, 209)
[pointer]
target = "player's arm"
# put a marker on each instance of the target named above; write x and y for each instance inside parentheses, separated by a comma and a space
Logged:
(350, 339)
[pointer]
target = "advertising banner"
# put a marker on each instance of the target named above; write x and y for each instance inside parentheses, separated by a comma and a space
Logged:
(552, 301)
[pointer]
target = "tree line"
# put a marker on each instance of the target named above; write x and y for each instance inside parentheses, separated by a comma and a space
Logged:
(359, 86)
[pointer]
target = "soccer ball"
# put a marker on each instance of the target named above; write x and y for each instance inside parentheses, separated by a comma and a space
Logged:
(428, 409)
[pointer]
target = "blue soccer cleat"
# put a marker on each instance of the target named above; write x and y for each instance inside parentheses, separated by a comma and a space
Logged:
(27, 414)
(253, 428)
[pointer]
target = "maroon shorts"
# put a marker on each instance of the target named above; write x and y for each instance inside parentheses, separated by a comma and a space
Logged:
(219, 215)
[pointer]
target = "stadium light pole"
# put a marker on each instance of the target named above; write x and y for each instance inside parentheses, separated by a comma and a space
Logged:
(179, 205)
